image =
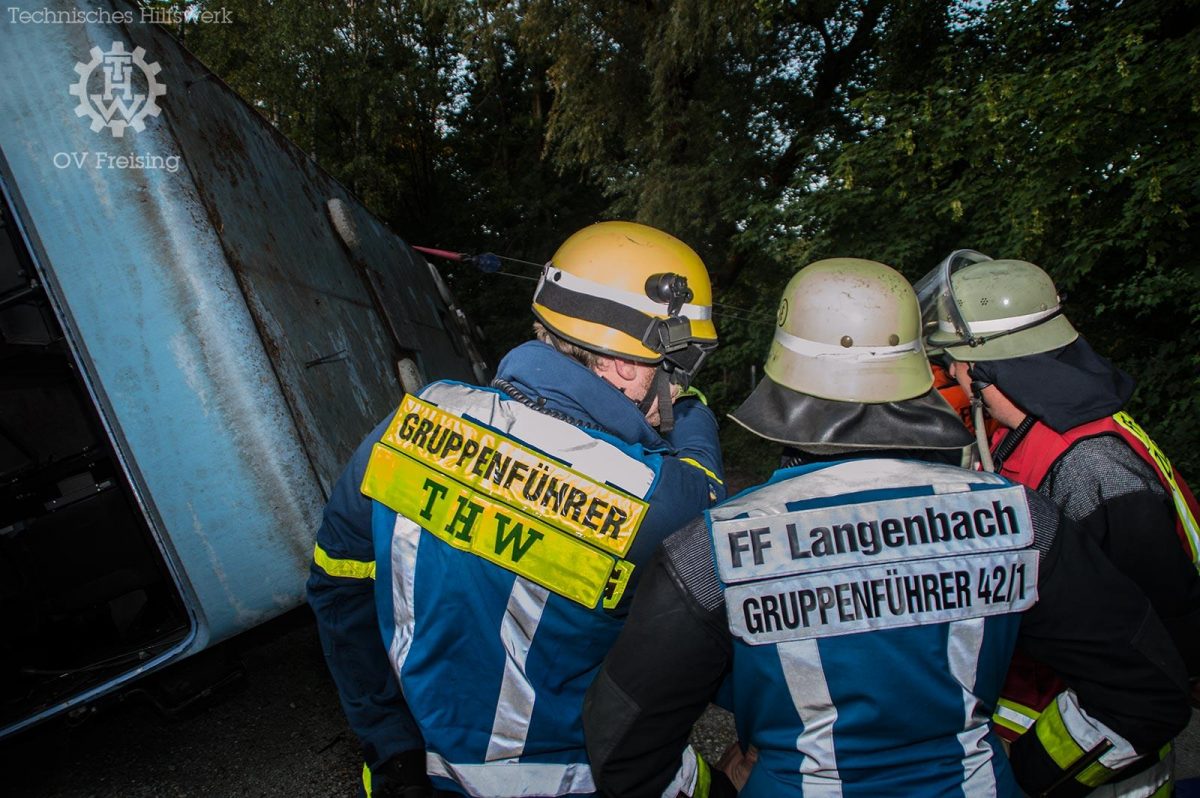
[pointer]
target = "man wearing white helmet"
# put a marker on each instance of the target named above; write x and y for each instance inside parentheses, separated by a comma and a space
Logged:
(505, 527)
(865, 601)
(1063, 433)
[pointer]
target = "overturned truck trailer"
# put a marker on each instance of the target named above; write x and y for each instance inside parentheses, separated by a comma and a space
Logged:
(197, 326)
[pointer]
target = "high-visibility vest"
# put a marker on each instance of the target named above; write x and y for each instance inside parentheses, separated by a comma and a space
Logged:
(1042, 448)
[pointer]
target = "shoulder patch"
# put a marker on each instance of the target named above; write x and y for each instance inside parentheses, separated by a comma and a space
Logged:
(527, 492)
(873, 544)
(888, 530)
(898, 595)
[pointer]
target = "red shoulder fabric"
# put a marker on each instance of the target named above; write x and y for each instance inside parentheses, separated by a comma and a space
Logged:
(1042, 447)
(1031, 686)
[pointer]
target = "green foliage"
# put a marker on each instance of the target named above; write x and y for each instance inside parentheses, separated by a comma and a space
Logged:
(1062, 134)
(698, 116)
(363, 87)
(767, 134)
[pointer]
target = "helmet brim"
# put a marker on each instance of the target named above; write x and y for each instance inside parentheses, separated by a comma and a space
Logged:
(825, 426)
(861, 380)
(1046, 337)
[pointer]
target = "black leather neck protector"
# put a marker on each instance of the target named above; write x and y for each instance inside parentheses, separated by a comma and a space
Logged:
(825, 426)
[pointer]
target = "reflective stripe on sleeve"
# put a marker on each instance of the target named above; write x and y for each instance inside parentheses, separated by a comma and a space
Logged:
(696, 464)
(1154, 782)
(688, 778)
(511, 778)
(1065, 750)
(1068, 733)
(1014, 716)
(703, 779)
(346, 569)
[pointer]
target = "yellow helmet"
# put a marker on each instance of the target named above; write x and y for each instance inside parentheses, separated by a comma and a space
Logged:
(625, 289)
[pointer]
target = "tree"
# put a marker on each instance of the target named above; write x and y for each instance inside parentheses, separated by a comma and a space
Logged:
(766, 134)
(1064, 134)
(701, 117)
(431, 113)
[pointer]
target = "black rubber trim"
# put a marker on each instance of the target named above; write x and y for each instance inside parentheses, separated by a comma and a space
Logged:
(512, 392)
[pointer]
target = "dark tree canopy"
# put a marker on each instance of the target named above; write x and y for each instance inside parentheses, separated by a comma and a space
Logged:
(768, 134)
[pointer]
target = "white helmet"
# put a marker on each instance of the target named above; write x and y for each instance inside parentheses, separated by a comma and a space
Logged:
(846, 369)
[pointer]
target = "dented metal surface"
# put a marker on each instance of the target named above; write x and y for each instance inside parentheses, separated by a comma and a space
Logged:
(228, 334)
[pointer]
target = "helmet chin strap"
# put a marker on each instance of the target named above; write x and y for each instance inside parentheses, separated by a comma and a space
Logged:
(660, 388)
(981, 439)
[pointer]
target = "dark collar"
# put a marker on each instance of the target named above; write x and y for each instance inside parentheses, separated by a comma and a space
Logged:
(563, 385)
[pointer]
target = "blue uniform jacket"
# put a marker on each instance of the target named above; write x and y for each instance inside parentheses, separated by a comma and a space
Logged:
(866, 610)
(687, 479)
(867, 658)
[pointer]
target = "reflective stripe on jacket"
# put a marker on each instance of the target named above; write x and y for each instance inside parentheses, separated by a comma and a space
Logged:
(873, 606)
(505, 542)
(1042, 447)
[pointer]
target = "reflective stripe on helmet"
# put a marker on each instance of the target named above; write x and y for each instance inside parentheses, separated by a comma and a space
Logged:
(1000, 325)
(803, 346)
(641, 302)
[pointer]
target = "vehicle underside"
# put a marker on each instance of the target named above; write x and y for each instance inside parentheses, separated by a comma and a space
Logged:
(85, 595)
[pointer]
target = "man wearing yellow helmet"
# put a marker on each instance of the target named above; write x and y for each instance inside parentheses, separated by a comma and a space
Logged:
(510, 524)
(1063, 433)
(865, 601)
(654, 313)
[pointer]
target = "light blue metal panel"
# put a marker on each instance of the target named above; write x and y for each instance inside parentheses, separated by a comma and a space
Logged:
(168, 344)
(333, 345)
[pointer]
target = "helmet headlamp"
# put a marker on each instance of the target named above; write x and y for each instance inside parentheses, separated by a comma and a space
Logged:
(628, 290)
(670, 289)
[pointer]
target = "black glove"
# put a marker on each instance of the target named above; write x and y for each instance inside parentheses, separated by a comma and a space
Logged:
(402, 776)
